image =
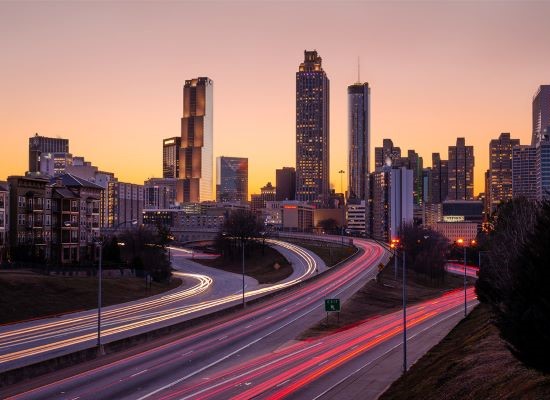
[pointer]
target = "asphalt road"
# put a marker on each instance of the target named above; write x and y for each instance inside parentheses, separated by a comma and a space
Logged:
(239, 339)
(205, 290)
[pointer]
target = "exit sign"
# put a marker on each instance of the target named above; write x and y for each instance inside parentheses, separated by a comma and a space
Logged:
(332, 305)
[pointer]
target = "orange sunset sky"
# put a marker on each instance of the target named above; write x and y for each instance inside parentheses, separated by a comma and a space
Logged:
(109, 76)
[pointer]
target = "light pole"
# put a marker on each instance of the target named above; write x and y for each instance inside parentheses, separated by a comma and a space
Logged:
(99, 292)
(242, 245)
(99, 285)
(404, 314)
(341, 172)
(394, 243)
(463, 243)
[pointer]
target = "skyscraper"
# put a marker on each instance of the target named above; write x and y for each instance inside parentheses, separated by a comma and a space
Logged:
(385, 153)
(285, 184)
(196, 152)
(541, 113)
(358, 140)
(524, 172)
(171, 157)
(440, 179)
(414, 162)
(461, 171)
(500, 170)
(232, 179)
(312, 131)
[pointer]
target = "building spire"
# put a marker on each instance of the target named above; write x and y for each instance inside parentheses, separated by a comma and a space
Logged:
(358, 70)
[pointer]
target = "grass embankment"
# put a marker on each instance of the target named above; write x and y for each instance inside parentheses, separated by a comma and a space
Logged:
(471, 362)
(382, 296)
(26, 295)
(267, 266)
(330, 254)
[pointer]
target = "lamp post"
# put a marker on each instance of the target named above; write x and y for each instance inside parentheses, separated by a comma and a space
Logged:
(242, 245)
(99, 284)
(341, 172)
(463, 243)
(395, 243)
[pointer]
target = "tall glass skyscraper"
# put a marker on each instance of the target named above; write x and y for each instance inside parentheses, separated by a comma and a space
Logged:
(196, 152)
(232, 179)
(541, 113)
(312, 131)
(358, 140)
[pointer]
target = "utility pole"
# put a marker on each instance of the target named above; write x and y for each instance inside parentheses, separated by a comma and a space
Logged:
(404, 314)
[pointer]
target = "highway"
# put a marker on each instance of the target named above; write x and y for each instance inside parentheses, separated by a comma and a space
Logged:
(239, 338)
(206, 290)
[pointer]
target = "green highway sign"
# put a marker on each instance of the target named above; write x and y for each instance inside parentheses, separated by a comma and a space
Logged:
(332, 305)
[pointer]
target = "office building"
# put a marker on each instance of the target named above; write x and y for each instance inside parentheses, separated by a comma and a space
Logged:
(258, 201)
(159, 193)
(196, 152)
(296, 216)
(499, 179)
(391, 202)
(543, 166)
(232, 179)
(457, 230)
(312, 131)
(285, 184)
(171, 157)
(541, 113)
(524, 172)
(416, 164)
(356, 213)
(440, 179)
(4, 221)
(358, 140)
(388, 154)
(41, 146)
(461, 171)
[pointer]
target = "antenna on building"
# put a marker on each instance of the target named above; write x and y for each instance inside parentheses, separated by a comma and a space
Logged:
(358, 70)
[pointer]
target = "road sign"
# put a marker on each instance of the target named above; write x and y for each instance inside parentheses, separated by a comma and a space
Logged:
(332, 305)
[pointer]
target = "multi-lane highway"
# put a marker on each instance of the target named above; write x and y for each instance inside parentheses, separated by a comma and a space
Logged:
(33, 341)
(259, 329)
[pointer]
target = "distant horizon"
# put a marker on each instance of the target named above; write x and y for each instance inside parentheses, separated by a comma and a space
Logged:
(109, 77)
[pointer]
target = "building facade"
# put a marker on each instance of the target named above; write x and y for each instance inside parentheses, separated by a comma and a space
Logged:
(171, 157)
(440, 179)
(461, 171)
(232, 179)
(356, 213)
(543, 167)
(196, 152)
(541, 113)
(524, 172)
(42, 147)
(159, 193)
(312, 131)
(499, 179)
(358, 140)
(388, 154)
(285, 184)
(4, 221)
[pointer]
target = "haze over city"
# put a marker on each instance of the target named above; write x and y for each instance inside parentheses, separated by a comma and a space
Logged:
(109, 77)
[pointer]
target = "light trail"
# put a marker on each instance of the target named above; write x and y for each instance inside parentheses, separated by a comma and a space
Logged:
(127, 318)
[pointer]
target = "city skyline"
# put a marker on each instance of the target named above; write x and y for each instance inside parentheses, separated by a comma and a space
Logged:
(131, 105)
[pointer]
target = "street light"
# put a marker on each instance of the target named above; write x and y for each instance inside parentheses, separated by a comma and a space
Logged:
(99, 284)
(395, 244)
(341, 172)
(242, 245)
(462, 243)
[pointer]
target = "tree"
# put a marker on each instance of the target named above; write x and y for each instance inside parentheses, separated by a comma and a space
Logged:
(425, 251)
(144, 250)
(240, 227)
(511, 226)
(523, 315)
(329, 225)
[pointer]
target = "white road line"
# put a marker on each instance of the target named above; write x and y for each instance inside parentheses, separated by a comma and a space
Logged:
(138, 373)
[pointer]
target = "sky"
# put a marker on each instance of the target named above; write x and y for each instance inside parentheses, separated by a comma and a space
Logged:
(109, 76)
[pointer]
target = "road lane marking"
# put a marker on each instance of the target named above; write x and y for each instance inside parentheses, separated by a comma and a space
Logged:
(138, 373)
